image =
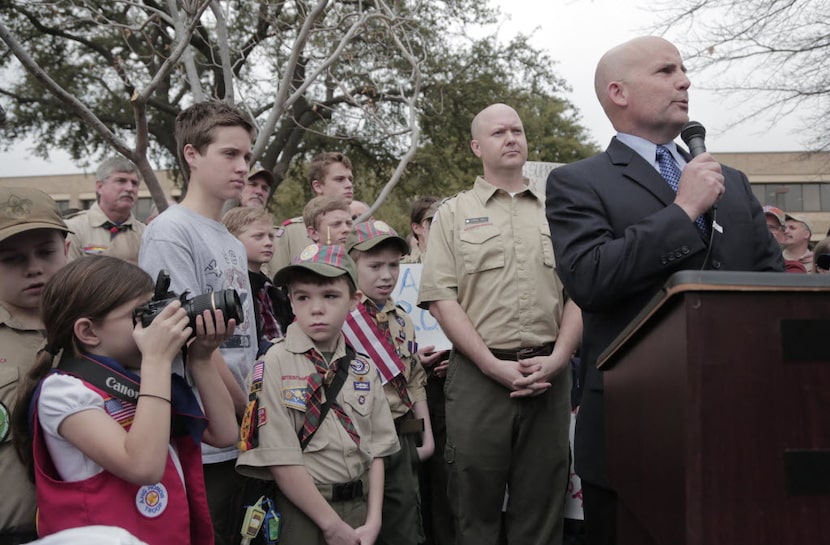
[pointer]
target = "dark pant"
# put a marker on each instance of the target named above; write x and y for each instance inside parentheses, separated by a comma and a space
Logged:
(222, 484)
(599, 505)
(439, 527)
(401, 521)
(494, 442)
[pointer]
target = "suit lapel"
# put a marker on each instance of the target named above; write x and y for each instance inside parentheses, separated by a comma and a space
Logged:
(639, 171)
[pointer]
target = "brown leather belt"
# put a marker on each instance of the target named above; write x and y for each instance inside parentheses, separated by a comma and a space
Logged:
(408, 424)
(515, 354)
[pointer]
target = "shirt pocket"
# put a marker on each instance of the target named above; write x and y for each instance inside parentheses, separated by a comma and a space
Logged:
(357, 394)
(482, 249)
(547, 246)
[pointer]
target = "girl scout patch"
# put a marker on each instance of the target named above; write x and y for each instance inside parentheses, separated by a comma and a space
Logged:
(151, 500)
(359, 367)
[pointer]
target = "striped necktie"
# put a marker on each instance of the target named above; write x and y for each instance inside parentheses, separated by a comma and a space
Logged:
(671, 173)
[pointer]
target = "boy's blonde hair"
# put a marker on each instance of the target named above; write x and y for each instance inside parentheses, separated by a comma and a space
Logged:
(237, 219)
(195, 126)
(320, 206)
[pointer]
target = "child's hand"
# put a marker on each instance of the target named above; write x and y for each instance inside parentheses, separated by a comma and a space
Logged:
(164, 337)
(211, 332)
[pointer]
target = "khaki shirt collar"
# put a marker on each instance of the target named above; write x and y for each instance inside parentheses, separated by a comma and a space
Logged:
(387, 307)
(297, 342)
(485, 190)
(6, 319)
(97, 218)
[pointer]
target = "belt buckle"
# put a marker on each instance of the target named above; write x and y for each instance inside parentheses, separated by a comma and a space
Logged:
(525, 353)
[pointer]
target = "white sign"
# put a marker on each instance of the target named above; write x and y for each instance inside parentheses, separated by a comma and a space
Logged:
(427, 330)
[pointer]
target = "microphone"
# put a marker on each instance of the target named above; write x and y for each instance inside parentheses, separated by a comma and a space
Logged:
(693, 134)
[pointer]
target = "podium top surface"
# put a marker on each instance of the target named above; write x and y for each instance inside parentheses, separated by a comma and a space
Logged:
(713, 281)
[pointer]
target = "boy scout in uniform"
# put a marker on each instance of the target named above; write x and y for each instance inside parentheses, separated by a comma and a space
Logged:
(329, 173)
(377, 250)
(33, 247)
(109, 226)
(329, 468)
(489, 280)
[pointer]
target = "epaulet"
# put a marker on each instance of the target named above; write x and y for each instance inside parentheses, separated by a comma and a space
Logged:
(298, 219)
(399, 307)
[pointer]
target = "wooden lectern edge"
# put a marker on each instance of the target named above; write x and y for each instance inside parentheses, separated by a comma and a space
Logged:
(689, 281)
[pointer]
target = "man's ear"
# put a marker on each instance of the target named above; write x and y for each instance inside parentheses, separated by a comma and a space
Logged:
(617, 93)
(189, 153)
(98, 185)
(475, 147)
(317, 186)
(85, 332)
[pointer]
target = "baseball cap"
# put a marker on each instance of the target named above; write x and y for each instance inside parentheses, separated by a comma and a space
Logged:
(801, 219)
(368, 234)
(25, 209)
(776, 212)
(329, 261)
(259, 170)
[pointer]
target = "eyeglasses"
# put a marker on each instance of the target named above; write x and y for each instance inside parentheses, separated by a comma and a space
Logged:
(823, 262)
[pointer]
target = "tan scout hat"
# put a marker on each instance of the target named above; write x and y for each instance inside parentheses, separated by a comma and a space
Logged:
(25, 209)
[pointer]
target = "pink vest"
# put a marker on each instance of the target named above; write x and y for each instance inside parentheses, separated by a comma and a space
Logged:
(159, 514)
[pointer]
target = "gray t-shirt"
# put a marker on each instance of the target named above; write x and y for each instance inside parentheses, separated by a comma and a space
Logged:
(202, 256)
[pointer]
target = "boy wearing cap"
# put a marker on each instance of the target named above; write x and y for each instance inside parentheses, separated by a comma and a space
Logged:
(386, 332)
(317, 422)
(33, 247)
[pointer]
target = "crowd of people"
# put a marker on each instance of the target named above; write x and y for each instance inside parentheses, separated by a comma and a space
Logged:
(217, 377)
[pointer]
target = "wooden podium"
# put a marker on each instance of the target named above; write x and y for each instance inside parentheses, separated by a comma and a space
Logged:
(717, 405)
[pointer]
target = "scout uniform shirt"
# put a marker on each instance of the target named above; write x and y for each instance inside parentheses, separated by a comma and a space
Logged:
(280, 383)
(94, 234)
(493, 254)
(402, 331)
(18, 349)
(289, 240)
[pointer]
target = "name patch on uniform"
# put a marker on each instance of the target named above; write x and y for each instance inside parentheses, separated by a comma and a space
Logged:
(360, 385)
(151, 500)
(476, 221)
(359, 366)
(294, 398)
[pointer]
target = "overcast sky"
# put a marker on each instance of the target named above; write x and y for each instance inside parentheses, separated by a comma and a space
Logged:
(575, 33)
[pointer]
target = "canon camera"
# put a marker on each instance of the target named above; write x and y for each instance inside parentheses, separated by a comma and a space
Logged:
(226, 300)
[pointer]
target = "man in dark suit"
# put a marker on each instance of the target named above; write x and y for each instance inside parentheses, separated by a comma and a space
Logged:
(620, 229)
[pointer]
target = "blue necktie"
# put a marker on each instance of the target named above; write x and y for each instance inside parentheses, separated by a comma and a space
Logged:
(671, 172)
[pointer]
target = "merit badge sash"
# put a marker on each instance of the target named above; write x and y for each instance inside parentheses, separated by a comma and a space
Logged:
(364, 335)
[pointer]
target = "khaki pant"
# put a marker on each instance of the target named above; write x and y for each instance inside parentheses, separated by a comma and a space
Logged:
(494, 442)
(298, 529)
(401, 523)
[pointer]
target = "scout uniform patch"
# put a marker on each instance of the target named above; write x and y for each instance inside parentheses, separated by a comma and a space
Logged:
(4, 422)
(295, 398)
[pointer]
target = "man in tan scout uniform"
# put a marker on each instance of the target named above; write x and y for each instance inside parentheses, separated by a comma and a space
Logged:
(109, 227)
(33, 247)
(329, 173)
(331, 490)
(489, 280)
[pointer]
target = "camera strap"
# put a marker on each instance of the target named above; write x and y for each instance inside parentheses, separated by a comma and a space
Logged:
(331, 391)
(102, 377)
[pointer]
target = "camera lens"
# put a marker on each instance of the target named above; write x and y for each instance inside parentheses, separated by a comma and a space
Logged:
(225, 300)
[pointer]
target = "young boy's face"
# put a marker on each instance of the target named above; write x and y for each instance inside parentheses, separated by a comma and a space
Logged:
(338, 182)
(27, 261)
(377, 273)
(336, 224)
(321, 309)
(258, 239)
(222, 170)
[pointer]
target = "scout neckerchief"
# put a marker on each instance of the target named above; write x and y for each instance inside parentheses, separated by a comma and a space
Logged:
(316, 411)
(121, 385)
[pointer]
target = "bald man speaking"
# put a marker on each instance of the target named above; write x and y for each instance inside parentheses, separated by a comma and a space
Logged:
(624, 220)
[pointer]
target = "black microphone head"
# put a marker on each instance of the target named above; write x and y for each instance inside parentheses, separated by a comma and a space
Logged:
(692, 129)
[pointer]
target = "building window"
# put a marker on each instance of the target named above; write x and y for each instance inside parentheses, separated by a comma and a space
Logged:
(87, 203)
(143, 208)
(808, 197)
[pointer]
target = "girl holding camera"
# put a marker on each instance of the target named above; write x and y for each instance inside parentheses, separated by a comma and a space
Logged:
(107, 446)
